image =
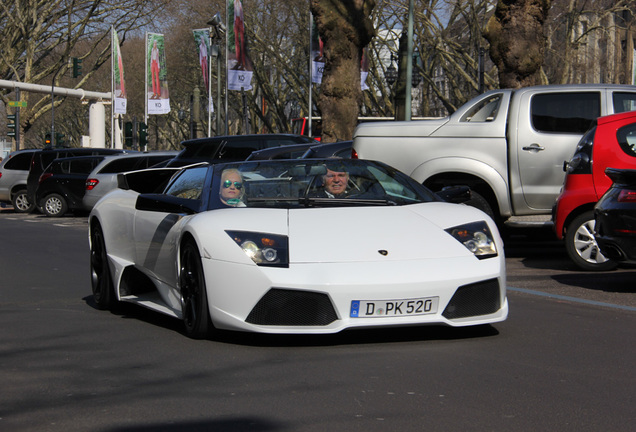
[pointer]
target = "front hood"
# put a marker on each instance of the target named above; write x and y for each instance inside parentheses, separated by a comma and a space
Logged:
(361, 233)
(414, 128)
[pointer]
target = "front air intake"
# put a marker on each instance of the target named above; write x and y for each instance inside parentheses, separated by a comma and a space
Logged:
(282, 307)
(481, 298)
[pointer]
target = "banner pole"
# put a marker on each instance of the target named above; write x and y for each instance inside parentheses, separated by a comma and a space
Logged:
(209, 60)
(311, 106)
(112, 87)
(227, 40)
(146, 82)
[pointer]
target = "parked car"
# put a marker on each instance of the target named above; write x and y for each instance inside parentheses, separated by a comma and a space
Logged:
(610, 142)
(14, 170)
(615, 215)
(507, 145)
(340, 149)
(42, 158)
(292, 151)
(231, 147)
(103, 178)
(276, 258)
(62, 184)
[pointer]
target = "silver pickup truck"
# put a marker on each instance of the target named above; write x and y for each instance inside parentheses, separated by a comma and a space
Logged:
(509, 146)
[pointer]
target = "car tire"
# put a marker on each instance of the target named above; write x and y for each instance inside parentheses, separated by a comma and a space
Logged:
(101, 279)
(478, 201)
(21, 202)
(194, 300)
(54, 205)
(581, 245)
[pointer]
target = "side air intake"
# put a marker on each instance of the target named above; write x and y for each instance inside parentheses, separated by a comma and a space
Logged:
(481, 298)
(284, 307)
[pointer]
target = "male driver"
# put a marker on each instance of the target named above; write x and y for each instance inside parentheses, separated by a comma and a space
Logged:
(335, 182)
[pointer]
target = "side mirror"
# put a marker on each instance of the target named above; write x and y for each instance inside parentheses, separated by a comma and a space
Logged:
(167, 204)
(455, 194)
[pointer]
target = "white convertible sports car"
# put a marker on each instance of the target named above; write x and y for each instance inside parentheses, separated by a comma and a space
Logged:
(294, 246)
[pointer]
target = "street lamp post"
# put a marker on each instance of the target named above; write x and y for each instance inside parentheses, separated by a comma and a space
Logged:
(409, 63)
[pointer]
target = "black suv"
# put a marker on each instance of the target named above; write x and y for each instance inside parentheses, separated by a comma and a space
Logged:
(62, 185)
(42, 158)
(232, 148)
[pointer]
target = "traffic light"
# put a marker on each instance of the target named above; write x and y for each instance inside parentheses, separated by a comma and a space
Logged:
(143, 134)
(12, 125)
(47, 140)
(77, 67)
(128, 135)
(59, 139)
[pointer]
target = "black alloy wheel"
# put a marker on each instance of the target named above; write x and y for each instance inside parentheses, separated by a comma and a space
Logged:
(101, 280)
(194, 301)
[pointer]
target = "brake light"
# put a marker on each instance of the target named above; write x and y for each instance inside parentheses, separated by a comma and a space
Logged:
(91, 183)
(45, 176)
(627, 196)
(354, 154)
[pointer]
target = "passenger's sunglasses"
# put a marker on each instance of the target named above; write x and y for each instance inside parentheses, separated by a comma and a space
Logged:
(228, 183)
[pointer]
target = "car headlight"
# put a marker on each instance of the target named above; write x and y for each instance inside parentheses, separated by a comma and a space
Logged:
(264, 249)
(476, 237)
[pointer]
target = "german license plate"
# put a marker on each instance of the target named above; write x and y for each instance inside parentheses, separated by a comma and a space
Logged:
(393, 308)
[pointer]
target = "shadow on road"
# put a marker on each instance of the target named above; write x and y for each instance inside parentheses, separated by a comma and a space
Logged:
(614, 282)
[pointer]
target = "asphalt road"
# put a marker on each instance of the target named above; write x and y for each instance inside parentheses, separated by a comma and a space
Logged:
(562, 361)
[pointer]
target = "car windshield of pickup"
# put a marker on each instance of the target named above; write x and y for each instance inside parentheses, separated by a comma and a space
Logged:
(313, 183)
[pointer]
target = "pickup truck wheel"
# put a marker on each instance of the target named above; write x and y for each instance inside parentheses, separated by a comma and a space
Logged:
(480, 202)
(581, 245)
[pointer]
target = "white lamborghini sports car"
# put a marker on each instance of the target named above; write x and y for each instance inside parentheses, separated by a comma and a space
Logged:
(294, 246)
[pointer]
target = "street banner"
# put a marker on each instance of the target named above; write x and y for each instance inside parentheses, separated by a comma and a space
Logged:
(119, 84)
(364, 69)
(202, 41)
(156, 75)
(239, 73)
(318, 60)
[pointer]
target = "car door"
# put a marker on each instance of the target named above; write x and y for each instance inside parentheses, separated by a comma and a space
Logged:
(550, 125)
(157, 234)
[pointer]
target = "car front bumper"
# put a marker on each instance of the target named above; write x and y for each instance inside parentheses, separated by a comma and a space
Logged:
(237, 291)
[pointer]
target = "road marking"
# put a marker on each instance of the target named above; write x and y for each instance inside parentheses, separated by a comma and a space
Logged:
(572, 299)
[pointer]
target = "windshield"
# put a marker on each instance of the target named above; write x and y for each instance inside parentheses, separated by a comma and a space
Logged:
(313, 183)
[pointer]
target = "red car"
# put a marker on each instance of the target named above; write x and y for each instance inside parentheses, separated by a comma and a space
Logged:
(610, 142)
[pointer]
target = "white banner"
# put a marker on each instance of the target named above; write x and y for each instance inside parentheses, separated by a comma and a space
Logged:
(157, 95)
(239, 80)
(118, 76)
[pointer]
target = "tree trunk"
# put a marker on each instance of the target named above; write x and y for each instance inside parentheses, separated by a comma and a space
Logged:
(517, 41)
(345, 29)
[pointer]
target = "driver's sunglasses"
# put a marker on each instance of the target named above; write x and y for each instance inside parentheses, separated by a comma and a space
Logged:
(228, 183)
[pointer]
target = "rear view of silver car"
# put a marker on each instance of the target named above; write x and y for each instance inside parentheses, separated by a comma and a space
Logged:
(14, 170)
(103, 178)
